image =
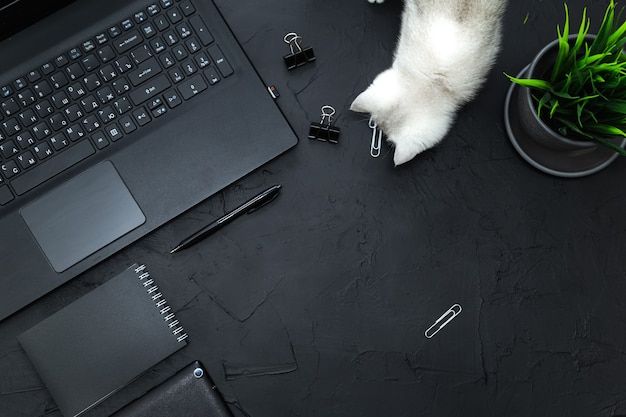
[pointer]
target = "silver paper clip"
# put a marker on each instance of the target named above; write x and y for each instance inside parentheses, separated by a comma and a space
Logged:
(452, 312)
(377, 138)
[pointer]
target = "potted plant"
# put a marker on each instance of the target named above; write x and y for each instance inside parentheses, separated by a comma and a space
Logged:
(566, 112)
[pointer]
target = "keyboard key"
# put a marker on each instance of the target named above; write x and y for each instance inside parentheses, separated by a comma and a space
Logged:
(127, 24)
(141, 116)
(6, 91)
(41, 131)
(174, 15)
(92, 82)
(159, 111)
(59, 141)
(100, 139)
(42, 88)
(8, 149)
(172, 98)
(47, 68)
(43, 150)
(9, 169)
(128, 41)
(161, 23)
(108, 73)
(106, 54)
(90, 62)
(128, 125)
(148, 30)
(11, 126)
(107, 114)
(202, 60)
(113, 132)
(123, 64)
(192, 86)
(57, 121)
(150, 89)
(145, 71)
(61, 61)
(44, 108)
(33, 76)
(105, 94)
(153, 10)
(201, 30)
(75, 132)
(192, 45)
(27, 117)
(222, 64)
(58, 80)
(122, 105)
(73, 112)
(75, 53)
(176, 74)
(89, 103)
(101, 39)
(121, 85)
(141, 54)
(91, 123)
(89, 46)
(115, 31)
(183, 30)
(10, 106)
(6, 195)
(140, 17)
(26, 97)
(74, 71)
(25, 140)
(45, 170)
(187, 8)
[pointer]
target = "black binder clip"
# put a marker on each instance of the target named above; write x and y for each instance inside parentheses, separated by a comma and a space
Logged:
(323, 130)
(298, 56)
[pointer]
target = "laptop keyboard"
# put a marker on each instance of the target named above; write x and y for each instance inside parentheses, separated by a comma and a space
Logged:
(89, 98)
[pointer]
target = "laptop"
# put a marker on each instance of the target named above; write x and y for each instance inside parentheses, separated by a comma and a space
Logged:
(115, 117)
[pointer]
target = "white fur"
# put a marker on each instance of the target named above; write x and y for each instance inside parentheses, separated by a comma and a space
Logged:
(443, 55)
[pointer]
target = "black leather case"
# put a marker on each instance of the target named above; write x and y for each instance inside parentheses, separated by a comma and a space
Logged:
(189, 393)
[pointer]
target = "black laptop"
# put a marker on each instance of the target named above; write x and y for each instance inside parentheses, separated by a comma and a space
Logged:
(115, 117)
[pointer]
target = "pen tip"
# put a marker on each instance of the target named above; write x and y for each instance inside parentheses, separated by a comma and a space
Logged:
(176, 249)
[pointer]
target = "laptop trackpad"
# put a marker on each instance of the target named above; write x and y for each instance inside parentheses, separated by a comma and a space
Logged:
(82, 216)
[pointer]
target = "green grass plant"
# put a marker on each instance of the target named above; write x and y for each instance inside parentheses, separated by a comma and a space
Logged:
(584, 96)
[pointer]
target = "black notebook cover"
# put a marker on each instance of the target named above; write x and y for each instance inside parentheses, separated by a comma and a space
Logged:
(102, 341)
(189, 393)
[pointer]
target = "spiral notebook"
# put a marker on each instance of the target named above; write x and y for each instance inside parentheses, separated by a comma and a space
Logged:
(95, 346)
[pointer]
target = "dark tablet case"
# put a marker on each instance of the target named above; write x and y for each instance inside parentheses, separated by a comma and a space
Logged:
(185, 394)
(102, 341)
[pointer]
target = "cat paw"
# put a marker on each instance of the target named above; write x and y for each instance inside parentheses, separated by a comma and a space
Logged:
(376, 1)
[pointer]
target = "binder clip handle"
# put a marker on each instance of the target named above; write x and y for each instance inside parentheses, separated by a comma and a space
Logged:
(324, 131)
(298, 56)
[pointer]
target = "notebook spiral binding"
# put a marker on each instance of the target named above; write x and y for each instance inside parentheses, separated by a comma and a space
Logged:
(165, 310)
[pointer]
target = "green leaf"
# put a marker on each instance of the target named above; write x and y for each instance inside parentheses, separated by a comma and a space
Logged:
(530, 82)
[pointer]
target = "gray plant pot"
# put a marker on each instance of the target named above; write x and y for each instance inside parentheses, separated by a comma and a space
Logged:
(538, 143)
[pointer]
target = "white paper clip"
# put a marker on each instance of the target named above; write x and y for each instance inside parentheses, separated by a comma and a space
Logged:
(442, 321)
(377, 138)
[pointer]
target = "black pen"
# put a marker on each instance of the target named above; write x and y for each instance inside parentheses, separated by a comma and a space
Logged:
(257, 202)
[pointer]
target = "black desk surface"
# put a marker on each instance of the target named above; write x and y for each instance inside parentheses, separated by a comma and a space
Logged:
(317, 304)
